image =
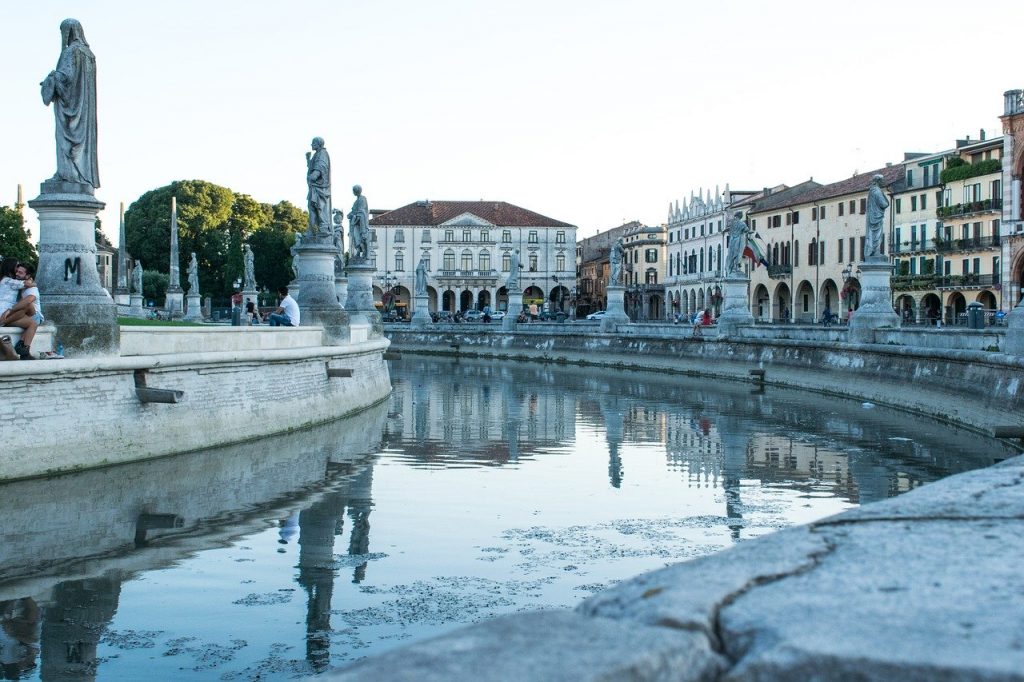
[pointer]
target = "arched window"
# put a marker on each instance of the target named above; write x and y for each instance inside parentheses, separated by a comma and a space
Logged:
(506, 262)
(449, 260)
(485, 260)
(702, 259)
(718, 257)
(467, 260)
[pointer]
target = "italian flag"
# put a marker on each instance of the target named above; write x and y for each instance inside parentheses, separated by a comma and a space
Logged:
(754, 252)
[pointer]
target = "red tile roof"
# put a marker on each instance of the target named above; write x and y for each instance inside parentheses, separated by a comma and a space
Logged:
(893, 176)
(499, 213)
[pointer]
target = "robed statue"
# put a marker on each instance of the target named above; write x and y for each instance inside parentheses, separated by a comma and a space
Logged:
(193, 276)
(250, 270)
(738, 231)
(137, 277)
(359, 226)
(318, 178)
(512, 283)
(295, 255)
(71, 88)
(421, 277)
(876, 205)
(615, 261)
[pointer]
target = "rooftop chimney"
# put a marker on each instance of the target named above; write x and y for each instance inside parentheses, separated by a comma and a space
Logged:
(982, 134)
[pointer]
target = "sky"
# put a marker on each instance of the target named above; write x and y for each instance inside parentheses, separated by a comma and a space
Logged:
(591, 112)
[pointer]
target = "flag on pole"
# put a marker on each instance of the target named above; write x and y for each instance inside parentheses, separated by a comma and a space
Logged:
(753, 250)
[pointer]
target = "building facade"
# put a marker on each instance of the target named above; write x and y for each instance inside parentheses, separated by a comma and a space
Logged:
(469, 249)
(643, 272)
(1012, 226)
(593, 268)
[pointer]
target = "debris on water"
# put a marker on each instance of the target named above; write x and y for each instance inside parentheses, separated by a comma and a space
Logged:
(265, 599)
(867, 406)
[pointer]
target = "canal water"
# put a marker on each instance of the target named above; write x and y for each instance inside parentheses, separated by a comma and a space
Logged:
(479, 488)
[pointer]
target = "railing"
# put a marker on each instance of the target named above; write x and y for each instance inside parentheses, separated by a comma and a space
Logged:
(967, 244)
(968, 280)
(969, 208)
(913, 282)
(914, 245)
(453, 242)
(778, 271)
(449, 274)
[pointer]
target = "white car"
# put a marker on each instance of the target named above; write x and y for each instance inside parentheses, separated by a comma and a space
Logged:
(599, 315)
(498, 315)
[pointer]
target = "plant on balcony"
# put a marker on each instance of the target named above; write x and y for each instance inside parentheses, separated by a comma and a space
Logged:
(904, 268)
(963, 170)
(956, 280)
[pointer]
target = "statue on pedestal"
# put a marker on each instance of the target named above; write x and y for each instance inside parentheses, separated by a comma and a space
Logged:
(615, 261)
(512, 283)
(71, 88)
(738, 231)
(359, 226)
(295, 255)
(193, 276)
(250, 270)
(318, 179)
(875, 214)
(421, 277)
(137, 277)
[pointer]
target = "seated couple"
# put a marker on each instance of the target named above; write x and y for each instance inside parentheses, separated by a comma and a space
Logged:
(19, 307)
(287, 313)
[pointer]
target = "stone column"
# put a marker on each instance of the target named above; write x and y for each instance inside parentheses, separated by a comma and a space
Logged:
(174, 301)
(69, 283)
(616, 313)
(875, 311)
(735, 305)
(121, 294)
(515, 306)
(1014, 344)
(318, 301)
(341, 289)
(421, 316)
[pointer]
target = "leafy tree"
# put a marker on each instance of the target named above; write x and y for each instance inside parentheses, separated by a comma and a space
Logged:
(154, 286)
(101, 237)
(14, 238)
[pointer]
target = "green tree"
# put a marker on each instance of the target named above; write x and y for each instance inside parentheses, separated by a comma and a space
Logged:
(14, 237)
(154, 286)
(272, 245)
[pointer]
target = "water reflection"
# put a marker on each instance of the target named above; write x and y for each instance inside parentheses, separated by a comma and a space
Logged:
(493, 487)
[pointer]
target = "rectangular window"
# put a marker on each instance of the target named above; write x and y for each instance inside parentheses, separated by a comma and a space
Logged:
(399, 236)
(753, 224)
(898, 239)
(532, 237)
(821, 253)
(947, 196)
(841, 242)
(821, 212)
(533, 262)
(913, 266)
(651, 255)
(687, 233)
(449, 235)
(560, 237)
(947, 267)
(924, 236)
(506, 236)
(853, 206)
(995, 191)
(863, 206)
(977, 266)
(796, 217)
(913, 203)
(853, 248)
(924, 202)
(910, 177)
(702, 230)
(425, 236)
(977, 230)
(995, 268)
(862, 248)
(485, 236)
(506, 262)
(449, 260)
(995, 227)
(841, 208)
(467, 260)
(485, 260)
(899, 206)
(789, 218)
(965, 267)
(467, 235)
(560, 262)
(814, 213)
(426, 261)
(399, 262)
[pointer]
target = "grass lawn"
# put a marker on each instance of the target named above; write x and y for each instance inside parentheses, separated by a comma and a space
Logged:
(138, 322)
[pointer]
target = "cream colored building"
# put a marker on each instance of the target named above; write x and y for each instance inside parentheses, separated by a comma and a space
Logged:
(643, 258)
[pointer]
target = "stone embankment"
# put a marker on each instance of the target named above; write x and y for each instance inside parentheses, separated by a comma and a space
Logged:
(924, 586)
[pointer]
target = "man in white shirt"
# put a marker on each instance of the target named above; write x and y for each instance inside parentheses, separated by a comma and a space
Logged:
(287, 314)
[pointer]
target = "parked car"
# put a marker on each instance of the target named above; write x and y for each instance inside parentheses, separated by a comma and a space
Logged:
(599, 315)
(473, 316)
(498, 315)
(552, 316)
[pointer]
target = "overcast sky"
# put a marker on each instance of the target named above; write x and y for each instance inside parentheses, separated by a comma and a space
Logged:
(589, 112)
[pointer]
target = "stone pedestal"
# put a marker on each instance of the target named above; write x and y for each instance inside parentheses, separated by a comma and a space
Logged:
(735, 305)
(174, 302)
(250, 295)
(421, 317)
(341, 289)
(135, 308)
(515, 306)
(69, 283)
(293, 289)
(616, 310)
(122, 297)
(318, 302)
(359, 301)
(194, 309)
(1014, 344)
(875, 309)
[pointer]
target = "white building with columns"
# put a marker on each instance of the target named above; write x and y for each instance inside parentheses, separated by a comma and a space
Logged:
(469, 249)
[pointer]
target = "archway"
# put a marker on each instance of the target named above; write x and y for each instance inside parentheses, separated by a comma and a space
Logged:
(558, 297)
(782, 305)
(829, 296)
(956, 309)
(448, 301)
(431, 299)
(762, 303)
(655, 308)
(849, 297)
(906, 308)
(930, 309)
(483, 300)
(693, 301)
(465, 300)
(378, 295)
(501, 300)
(533, 296)
(807, 307)
(700, 300)
(987, 299)
(399, 300)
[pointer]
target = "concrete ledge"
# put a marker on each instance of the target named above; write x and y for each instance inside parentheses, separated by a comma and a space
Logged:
(925, 586)
(43, 341)
(144, 340)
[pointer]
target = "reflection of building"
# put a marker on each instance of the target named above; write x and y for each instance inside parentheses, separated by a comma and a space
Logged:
(468, 247)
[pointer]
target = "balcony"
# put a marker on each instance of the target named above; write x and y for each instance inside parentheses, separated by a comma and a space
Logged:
(446, 275)
(466, 242)
(914, 246)
(969, 208)
(913, 282)
(779, 271)
(968, 281)
(968, 244)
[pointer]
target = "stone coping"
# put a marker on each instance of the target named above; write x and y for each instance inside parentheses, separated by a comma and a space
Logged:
(924, 586)
(144, 340)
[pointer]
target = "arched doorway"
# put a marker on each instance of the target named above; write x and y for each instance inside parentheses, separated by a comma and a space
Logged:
(929, 312)
(829, 297)
(378, 295)
(483, 299)
(906, 308)
(533, 296)
(762, 304)
(987, 299)
(465, 300)
(693, 301)
(807, 307)
(448, 301)
(783, 305)
(400, 298)
(558, 297)
(655, 308)
(700, 300)
(501, 299)
(956, 309)
(431, 299)
(849, 297)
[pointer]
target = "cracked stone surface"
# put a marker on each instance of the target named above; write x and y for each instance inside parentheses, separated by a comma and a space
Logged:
(925, 586)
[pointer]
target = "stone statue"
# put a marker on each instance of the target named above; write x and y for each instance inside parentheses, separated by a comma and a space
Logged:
(71, 88)
(318, 178)
(512, 283)
(359, 226)
(250, 270)
(193, 276)
(137, 277)
(738, 231)
(295, 255)
(615, 259)
(421, 277)
(339, 242)
(877, 203)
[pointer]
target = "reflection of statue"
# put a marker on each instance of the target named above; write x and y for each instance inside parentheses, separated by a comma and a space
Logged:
(193, 276)
(513, 272)
(250, 270)
(737, 242)
(318, 178)
(71, 88)
(615, 259)
(295, 255)
(137, 277)
(877, 203)
(359, 226)
(421, 277)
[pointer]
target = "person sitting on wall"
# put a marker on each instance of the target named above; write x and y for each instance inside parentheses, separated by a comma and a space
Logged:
(287, 314)
(252, 313)
(15, 313)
